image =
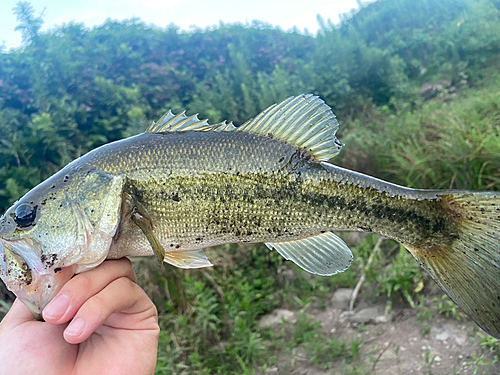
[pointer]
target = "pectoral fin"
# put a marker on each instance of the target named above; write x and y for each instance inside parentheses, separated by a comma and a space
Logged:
(324, 254)
(181, 259)
(146, 226)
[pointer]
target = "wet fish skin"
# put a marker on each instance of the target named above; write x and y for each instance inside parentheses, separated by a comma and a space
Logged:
(186, 187)
(199, 200)
(77, 213)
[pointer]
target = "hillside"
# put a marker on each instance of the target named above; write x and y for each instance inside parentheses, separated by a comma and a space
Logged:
(415, 86)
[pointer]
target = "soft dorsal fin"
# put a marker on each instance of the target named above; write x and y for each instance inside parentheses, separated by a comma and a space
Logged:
(304, 121)
(172, 123)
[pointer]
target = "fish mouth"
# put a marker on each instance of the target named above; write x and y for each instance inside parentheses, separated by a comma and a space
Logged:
(20, 263)
(24, 274)
(35, 310)
(38, 295)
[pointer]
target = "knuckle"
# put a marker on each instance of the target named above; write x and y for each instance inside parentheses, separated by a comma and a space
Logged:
(85, 281)
(96, 303)
(97, 308)
(123, 266)
(123, 282)
(126, 261)
(154, 311)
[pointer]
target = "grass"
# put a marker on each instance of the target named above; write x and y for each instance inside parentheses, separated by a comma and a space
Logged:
(403, 277)
(211, 327)
(209, 318)
(480, 365)
(442, 145)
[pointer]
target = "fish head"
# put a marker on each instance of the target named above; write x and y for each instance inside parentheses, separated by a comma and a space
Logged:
(61, 227)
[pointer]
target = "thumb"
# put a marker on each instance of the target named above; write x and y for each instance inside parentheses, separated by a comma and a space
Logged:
(17, 315)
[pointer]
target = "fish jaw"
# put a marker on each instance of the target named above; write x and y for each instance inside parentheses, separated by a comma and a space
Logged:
(24, 274)
(43, 289)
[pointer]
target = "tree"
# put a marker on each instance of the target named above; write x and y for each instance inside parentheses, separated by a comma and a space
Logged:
(29, 24)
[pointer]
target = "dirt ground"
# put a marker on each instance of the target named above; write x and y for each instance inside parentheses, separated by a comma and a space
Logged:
(398, 343)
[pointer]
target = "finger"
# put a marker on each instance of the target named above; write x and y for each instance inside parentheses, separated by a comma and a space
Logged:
(83, 286)
(18, 314)
(120, 296)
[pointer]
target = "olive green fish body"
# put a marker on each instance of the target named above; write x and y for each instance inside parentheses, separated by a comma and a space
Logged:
(204, 189)
(186, 185)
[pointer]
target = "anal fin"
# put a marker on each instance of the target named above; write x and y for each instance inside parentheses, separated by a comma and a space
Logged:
(324, 254)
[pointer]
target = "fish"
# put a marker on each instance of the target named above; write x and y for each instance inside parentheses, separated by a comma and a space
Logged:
(185, 185)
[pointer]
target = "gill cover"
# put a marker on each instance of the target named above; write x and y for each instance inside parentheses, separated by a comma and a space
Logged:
(61, 227)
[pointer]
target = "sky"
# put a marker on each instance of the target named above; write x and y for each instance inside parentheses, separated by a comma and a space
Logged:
(184, 13)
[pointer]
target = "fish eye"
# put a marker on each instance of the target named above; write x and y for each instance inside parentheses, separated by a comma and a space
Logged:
(25, 214)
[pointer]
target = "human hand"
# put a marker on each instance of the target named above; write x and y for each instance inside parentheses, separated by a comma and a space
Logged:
(113, 329)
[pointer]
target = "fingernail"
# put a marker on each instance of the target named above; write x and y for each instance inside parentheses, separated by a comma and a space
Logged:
(56, 308)
(75, 328)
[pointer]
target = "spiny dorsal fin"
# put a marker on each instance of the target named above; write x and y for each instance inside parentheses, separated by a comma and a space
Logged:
(172, 123)
(224, 126)
(304, 121)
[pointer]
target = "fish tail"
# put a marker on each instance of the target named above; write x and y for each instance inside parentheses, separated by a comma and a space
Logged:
(466, 265)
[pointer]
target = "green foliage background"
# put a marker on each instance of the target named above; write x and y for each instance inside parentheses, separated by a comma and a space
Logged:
(72, 89)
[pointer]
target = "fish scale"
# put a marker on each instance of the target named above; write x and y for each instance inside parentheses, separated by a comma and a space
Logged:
(185, 185)
(289, 199)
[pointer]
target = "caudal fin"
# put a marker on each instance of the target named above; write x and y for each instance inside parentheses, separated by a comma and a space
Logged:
(467, 267)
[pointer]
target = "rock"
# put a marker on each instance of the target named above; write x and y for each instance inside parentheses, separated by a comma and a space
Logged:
(460, 340)
(341, 298)
(443, 335)
(286, 274)
(276, 317)
(370, 315)
(430, 90)
(365, 315)
(446, 83)
(449, 333)
(272, 369)
(381, 319)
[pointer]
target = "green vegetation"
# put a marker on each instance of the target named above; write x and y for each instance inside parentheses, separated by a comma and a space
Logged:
(70, 90)
(479, 364)
(73, 89)
(209, 317)
(449, 143)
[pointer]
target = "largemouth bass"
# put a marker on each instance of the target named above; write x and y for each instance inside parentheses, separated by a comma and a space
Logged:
(185, 185)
